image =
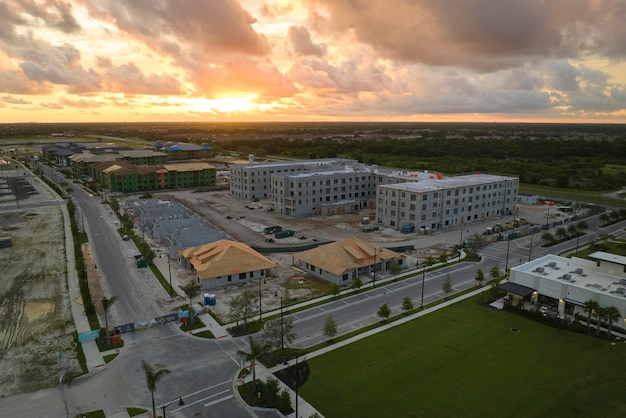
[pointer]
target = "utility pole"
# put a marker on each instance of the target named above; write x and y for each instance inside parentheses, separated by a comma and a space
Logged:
(374, 270)
(260, 303)
(282, 330)
(169, 269)
(423, 277)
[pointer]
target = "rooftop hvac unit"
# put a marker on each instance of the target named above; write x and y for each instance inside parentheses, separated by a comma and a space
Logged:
(567, 276)
(539, 269)
(578, 271)
(552, 264)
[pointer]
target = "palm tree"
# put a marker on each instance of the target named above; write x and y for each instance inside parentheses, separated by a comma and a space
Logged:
(152, 378)
(257, 349)
(612, 314)
(561, 233)
(605, 218)
(589, 307)
(191, 289)
(572, 231)
(600, 315)
(106, 305)
(547, 237)
(581, 226)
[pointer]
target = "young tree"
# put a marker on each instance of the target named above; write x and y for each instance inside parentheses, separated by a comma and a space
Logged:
(590, 307)
(279, 335)
(330, 328)
(284, 401)
(407, 304)
(241, 308)
(476, 242)
(357, 283)
(429, 261)
(106, 305)
(257, 349)
(581, 226)
(443, 257)
(494, 272)
(384, 312)
(446, 286)
(191, 289)
(152, 378)
(334, 289)
(480, 276)
(394, 267)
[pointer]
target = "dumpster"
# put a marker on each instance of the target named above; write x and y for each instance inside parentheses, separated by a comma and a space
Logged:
(284, 234)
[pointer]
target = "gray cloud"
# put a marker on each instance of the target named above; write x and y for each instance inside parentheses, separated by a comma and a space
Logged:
(129, 78)
(60, 65)
(484, 35)
(14, 100)
(301, 43)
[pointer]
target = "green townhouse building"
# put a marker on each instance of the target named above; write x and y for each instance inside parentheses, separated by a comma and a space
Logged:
(123, 177)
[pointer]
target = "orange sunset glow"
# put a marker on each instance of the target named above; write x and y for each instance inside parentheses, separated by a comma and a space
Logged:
(312, 60)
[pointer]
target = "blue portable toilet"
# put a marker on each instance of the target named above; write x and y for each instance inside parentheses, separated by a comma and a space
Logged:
(212, 299)
(207, 299)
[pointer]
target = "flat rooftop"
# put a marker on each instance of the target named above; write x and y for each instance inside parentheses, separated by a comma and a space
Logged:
(430, 184)
(575, 272)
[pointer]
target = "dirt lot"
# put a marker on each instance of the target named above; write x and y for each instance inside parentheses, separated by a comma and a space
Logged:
(231, 216)
(35, 318)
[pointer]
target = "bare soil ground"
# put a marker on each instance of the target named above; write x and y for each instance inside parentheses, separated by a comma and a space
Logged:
(35, 317)
(233, 217)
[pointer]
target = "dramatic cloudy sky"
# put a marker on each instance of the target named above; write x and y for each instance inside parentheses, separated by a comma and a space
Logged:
(282, 60)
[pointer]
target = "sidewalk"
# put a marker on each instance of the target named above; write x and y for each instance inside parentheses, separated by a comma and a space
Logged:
(93, 357)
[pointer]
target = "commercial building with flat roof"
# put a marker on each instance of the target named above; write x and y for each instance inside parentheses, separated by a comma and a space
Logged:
(567, 283)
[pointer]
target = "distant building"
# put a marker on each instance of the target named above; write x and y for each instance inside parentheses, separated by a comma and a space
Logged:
(224, 263)
(343, 261)
(179, 151)
(565, 284)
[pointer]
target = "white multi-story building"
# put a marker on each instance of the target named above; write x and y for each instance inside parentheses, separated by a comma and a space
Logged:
(439, 203)
(253, 180)
(325, 192)
(335, 186)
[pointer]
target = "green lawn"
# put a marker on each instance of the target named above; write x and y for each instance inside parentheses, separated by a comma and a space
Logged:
(465, 361)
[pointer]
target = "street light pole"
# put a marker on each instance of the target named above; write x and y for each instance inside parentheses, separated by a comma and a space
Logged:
(282, 330)
(165, 405)
(260, 303)
(169, 269)
(423, 277)
(374, 270)
(297, 384)
(530, 247)
(508, 246)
